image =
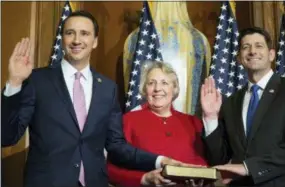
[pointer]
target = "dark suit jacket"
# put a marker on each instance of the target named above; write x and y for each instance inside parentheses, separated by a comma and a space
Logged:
(264, 150)
(56, 144)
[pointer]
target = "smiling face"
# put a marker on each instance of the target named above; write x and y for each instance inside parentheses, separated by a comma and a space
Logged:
(159, 90)
(79, 40)
(255, 55)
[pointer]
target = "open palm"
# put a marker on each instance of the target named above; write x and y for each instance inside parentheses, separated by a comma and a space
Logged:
(211, 99)
(21, 62)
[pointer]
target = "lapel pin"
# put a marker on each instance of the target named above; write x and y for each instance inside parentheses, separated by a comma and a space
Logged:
(271, 91)
(99, 80)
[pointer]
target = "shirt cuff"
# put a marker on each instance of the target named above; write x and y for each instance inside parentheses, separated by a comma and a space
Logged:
(158, 161)
(210, 126)
(10, 90)
(246, 169)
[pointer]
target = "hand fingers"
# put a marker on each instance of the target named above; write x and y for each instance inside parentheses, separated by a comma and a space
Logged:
(206, 85)
(226, 181)
(219, 96)
(30, 53)
(26, 49)
(202, 93)
(23, 47)
(15, 51)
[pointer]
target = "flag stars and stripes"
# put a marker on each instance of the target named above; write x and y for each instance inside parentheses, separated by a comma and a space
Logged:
(135, 72)
(58, 37)
(63, 17)
(280, 61)
(224, 60)
(56, 47)
(216, 46)
(137, 62)
(218, 37)
(130, 93)
(57, 52)
(66, 8)
(229, 30)
(142, 42)
(151, 46)
(147, 23)
(220, 27)
(224, 68)
(153, 36)
(147, 49)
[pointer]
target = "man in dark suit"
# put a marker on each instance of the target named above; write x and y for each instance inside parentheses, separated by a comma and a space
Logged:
(245, 136)
(72, 113)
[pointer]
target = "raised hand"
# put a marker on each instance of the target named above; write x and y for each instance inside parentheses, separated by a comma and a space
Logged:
(21, 62)
(211, 99)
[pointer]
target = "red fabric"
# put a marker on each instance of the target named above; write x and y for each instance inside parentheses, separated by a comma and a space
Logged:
(147, 131)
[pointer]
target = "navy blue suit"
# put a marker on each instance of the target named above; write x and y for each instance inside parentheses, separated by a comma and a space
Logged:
(56, 144)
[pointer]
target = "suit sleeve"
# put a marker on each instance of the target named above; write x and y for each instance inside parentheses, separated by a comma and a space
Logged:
(268, 166)
(16, 114)
(120, 152)
(218, 150)
(122, 176)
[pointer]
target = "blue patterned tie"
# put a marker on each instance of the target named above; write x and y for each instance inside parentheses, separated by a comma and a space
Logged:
(252, 107)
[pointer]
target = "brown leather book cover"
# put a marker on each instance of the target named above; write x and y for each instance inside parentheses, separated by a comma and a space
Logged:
(177, 173)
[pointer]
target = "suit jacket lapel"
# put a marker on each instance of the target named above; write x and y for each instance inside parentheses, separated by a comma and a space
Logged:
(56, 76)
(95, 99)
(266, 100)
(238, 114)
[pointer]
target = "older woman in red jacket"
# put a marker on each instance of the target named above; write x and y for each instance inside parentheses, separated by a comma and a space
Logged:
(158, 127)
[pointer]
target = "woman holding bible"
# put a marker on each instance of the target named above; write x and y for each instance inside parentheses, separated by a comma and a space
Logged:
(159, 128)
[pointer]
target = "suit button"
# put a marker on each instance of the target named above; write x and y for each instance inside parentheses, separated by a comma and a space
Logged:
(260, 173)
(76, 165)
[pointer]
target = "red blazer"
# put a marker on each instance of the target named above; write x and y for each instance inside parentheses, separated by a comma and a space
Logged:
(177, 136)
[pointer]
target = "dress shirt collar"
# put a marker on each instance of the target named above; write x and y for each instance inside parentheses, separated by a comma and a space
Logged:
(69, 71)
(262, 82)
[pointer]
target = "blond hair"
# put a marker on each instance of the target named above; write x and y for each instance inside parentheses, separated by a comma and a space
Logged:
(165, 68)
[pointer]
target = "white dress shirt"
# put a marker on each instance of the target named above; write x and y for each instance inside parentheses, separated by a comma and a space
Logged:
(69, 76)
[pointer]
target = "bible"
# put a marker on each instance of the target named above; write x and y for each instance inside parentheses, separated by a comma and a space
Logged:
(178, 173)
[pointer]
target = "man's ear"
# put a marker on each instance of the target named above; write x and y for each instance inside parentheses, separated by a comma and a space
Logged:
(272, 54)
(95, 43)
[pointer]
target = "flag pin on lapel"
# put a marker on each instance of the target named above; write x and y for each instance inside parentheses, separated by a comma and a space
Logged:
(271, 91)
(99, 80)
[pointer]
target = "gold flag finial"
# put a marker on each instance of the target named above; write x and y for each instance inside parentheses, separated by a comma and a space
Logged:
(233, 7)
(74, 5)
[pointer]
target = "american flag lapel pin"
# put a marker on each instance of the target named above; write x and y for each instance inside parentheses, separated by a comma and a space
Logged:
(271, 91)
(99, 80)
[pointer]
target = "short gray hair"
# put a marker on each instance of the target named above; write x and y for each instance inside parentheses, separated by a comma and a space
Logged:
(165, 68)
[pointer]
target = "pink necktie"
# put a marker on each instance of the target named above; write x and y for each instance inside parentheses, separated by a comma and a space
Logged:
(81, 113)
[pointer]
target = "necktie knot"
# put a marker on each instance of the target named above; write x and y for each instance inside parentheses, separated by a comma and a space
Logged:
(254, 88)
(78, 75)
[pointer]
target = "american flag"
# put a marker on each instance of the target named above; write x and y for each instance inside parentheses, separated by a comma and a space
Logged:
(57, 52)
(147, 49)
(228, 74)
(280, 62)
